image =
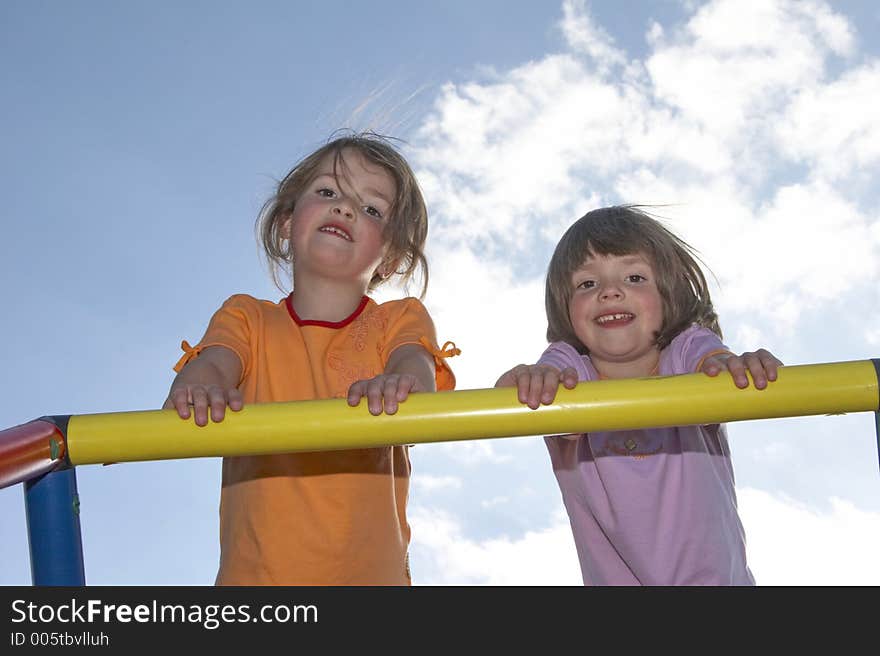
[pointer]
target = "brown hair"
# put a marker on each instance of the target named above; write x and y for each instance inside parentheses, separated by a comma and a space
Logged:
(625, 230)
(407, 226)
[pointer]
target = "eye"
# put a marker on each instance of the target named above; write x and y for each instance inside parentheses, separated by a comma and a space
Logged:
(326, 192)
(585, 284)
(635, 277)
(372, 211)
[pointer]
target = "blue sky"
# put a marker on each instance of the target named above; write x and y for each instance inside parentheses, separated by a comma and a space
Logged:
(140, 139)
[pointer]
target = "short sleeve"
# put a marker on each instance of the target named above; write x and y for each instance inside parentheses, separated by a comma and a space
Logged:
(413, 325)
(689, 348)
(562, 355)
(230, 326)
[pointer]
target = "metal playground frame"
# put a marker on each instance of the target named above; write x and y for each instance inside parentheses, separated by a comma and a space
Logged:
(43, 454)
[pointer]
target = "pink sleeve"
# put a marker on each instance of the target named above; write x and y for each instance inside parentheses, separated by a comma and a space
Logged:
(689, 348)
(562, 355)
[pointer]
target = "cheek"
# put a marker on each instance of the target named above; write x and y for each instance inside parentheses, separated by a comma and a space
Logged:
(578, 310)
(376, 236)
(580, 301)
(655, 305)
(294, 230)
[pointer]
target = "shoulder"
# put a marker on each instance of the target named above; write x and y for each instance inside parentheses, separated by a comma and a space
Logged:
(243, 300)
(400, 309)
(250, 304)
(245, 310)
(694, 336)
(399, 305)
(687, 348)
(561, 350)
(562, 355)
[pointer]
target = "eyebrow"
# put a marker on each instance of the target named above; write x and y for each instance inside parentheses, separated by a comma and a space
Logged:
(628, 260)
(635, 259)
(378, 194)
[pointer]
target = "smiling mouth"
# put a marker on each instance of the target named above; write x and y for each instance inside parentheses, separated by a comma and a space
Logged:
(335, 230)
(617, 317)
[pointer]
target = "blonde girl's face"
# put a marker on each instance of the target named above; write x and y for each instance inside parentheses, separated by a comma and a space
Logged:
(336, 227)
(616, 311)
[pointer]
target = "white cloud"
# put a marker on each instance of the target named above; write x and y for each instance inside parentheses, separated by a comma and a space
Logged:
(473, 453)
(504, 307)
(443, 555)
(495, 502)
(584, 36)
(835, 127)
(789, 543)
(792, 544)
(811, 244)
(756, 153)
(747, 334)
(773, 451)
(734, 62)
(496, 161)
(430, 483)
(872, 335)
(753, 126)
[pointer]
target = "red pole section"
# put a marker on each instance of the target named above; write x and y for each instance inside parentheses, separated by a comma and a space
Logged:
(29, 450)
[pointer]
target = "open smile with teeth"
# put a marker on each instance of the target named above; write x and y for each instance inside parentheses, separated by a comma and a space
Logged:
(617, 316)
(335, 230)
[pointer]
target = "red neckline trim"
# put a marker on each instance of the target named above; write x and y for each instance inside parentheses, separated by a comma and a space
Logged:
(325, 324)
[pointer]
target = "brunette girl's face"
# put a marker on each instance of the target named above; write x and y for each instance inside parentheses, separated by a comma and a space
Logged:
(616, 311)
(336, 227)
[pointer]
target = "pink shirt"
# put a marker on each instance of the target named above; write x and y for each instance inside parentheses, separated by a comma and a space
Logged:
(654, 506)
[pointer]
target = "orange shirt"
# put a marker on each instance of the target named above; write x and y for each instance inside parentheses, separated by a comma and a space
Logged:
(331, 518)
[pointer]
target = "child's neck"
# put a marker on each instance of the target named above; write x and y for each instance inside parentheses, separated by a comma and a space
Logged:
(646, 365)
(324, 300)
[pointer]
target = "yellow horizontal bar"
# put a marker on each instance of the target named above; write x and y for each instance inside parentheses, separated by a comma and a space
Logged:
(800, 390)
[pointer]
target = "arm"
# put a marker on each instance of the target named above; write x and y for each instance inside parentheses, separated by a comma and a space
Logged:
(410, 368)
(761, 364)
(209, 381)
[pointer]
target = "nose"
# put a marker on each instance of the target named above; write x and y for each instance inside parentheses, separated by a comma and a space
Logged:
(344, 207)
(610, 293)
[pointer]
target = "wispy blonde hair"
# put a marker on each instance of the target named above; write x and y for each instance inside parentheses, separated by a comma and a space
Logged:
(405, 231)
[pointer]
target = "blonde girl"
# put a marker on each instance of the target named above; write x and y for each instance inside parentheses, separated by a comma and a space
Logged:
(345, 219)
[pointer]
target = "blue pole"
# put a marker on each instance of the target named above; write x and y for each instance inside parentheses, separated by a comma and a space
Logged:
(876, 362)
(877, 428)
(54, 536)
